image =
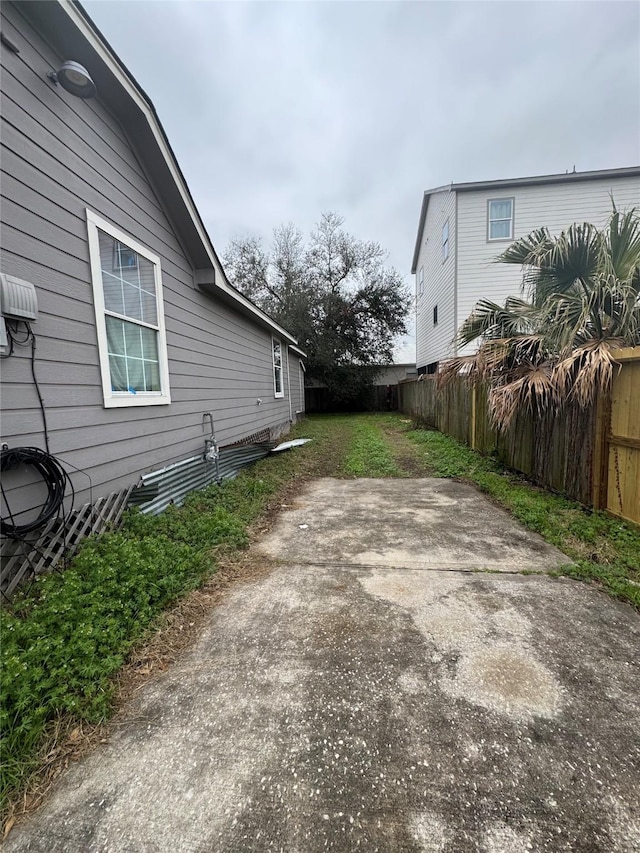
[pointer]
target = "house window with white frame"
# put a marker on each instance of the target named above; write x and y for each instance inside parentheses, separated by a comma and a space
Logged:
(445, 241)
(278, 387)
(127, 290)
(500, 219)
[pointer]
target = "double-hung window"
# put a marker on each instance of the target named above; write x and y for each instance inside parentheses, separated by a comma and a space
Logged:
(500, 219)
(278, 388)
(127, 291)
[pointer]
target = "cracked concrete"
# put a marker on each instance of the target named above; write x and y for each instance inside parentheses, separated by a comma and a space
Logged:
(386, 706)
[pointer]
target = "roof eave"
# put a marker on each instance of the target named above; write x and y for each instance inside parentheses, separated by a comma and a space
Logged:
(536, 180)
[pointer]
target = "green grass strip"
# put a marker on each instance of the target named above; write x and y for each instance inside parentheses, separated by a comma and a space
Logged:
(369, 454)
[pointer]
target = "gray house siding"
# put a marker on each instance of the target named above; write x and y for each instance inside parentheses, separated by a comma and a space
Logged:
(60, 156)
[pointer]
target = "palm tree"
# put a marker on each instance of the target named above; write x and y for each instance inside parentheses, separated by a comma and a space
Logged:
(582, 303)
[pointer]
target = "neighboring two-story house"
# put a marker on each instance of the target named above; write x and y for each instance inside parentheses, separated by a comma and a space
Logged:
(464, 227)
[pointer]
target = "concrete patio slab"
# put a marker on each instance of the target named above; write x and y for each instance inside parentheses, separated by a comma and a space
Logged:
(428, 523)
(350, 708)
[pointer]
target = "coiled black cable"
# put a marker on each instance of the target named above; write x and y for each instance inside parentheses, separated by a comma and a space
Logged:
(55, 479)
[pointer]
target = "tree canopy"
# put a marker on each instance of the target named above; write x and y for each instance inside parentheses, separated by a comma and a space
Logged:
(581, 302)
(334, 294)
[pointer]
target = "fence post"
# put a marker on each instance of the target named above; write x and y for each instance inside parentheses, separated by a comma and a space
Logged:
(472, 441)
(600, 462)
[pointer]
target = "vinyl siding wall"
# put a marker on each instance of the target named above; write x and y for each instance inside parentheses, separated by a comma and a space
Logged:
(61, 155)
(555, 205)
(394, 373)
(433, 342)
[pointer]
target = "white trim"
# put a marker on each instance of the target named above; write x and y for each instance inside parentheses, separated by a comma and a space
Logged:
(116, 69)
(445, 242)
(511, 219)
(274, 341)
(115, 399)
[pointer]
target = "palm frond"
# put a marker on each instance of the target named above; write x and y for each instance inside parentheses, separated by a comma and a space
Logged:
(534, 390)
(448, 371)
(493, 321)
(526, 250)
(587, 371)
(623, 243)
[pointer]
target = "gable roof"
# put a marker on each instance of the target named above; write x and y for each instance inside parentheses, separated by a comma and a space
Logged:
(507, 183)
(73, 34)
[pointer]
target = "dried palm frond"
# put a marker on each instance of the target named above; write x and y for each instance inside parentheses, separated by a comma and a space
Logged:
(533, 390)
(448, 371)
(587, 371)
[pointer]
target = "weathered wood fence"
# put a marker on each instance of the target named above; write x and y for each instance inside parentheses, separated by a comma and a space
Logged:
(591, 455)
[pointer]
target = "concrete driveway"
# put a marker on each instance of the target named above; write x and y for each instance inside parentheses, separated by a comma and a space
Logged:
(376, 692)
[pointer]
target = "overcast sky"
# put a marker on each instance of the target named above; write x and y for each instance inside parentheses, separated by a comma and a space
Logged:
(278, 111)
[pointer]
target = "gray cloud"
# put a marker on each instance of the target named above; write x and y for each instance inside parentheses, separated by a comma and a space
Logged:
(279, 111)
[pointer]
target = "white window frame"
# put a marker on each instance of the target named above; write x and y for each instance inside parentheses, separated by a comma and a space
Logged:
(445, 241)
(511, 220)
(121, 399)
(276, 342)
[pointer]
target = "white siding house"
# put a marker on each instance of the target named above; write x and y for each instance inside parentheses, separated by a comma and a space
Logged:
(464, 227)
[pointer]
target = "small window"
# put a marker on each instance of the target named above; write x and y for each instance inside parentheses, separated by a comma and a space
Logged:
(278, 388)
(435, 315)
(127, 291)
(500, 226)
(421, 281)
(445, 241)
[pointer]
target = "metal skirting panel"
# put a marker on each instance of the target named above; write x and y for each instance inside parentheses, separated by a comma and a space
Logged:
(172, 484)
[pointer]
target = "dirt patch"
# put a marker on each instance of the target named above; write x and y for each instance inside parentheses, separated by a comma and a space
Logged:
(405, 454)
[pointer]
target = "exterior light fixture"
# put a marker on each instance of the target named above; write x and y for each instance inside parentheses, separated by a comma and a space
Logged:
(75, 79)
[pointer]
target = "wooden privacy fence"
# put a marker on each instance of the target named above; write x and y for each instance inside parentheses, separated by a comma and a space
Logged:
(591, 455)
(619, 484)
